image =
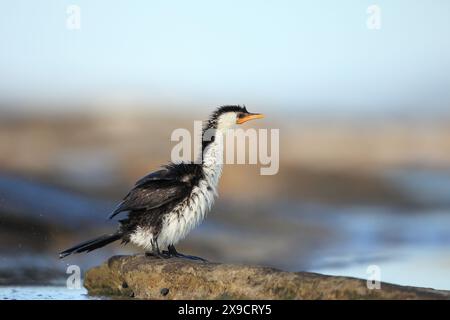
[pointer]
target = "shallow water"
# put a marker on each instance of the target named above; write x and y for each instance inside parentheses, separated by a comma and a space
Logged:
(425, 266)
(409, 249)
(42, 293)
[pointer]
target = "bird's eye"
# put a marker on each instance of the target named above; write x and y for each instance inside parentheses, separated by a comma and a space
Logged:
(241, 115)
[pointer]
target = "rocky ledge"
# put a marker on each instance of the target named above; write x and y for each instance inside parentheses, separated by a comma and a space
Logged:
(150, 278)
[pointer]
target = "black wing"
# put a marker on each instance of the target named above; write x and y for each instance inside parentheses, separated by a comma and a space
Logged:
(154, 190)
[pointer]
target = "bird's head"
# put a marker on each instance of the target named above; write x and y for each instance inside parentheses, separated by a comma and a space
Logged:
(227, 117)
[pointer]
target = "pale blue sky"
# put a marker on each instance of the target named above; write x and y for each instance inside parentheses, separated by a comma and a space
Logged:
(298, 55)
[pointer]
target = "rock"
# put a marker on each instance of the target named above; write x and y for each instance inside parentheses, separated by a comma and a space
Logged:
(150, 278)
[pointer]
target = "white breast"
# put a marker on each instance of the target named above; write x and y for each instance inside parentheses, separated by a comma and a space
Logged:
(186, 216)
(192, 211)
(189, 213)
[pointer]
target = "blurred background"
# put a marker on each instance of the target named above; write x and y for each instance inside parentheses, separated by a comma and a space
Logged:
(90, 92)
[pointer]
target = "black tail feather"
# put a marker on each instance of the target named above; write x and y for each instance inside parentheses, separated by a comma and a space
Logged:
(90, 245)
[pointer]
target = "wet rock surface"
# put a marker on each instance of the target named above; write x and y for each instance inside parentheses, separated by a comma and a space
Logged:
(144, 277)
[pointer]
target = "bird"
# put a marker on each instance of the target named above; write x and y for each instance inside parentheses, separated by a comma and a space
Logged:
(165, 205)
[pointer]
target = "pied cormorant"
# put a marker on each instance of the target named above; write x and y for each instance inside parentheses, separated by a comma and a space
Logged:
(164, 206)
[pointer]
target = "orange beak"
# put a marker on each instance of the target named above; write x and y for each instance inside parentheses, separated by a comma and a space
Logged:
(248, 117)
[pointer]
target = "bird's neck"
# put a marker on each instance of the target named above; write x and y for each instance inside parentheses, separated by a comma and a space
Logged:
(212, 160)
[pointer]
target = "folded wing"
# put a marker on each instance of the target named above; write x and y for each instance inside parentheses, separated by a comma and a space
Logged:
(155, 190)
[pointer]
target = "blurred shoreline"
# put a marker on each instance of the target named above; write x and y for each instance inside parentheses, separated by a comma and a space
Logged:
(118, 149)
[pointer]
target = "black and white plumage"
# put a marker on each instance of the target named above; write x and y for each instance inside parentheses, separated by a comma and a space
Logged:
(164, 206)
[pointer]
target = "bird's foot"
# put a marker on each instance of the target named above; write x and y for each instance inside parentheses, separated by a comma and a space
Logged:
(184, 256)
(155, 252)
(172, 252)
(157, 255)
